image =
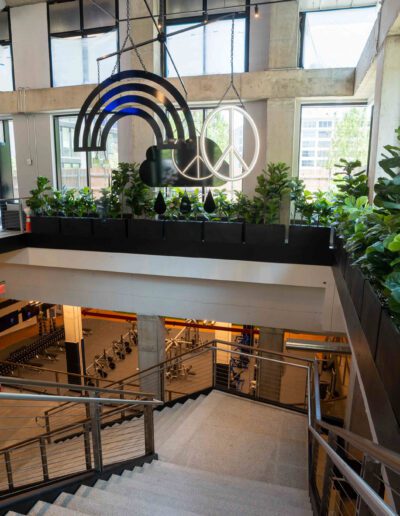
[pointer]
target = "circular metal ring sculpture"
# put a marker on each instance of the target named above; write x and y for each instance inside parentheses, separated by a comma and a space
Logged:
(231, 151)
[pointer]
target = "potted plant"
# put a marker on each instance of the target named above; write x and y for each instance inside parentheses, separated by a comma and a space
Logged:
(79, 209)
(262, 214)
(40, 205)
(111, 224)
(223, 227)
(183, 208)
(140, 199)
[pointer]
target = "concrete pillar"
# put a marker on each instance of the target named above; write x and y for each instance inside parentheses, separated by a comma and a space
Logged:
(74, 343)
(134, 135)
(283, 35)
(30, 46)
(151, 351)
(33, 135)
(386, 105)
(269, 374)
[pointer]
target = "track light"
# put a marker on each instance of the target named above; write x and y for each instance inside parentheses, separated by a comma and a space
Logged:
(205, 15)
(256, 12)
(160, 22)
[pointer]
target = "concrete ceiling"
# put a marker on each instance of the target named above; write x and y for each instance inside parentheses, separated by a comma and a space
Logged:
(307, 5)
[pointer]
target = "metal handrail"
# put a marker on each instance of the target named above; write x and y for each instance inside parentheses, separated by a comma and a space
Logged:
(6, 380)
(82, 399)
(376, 451)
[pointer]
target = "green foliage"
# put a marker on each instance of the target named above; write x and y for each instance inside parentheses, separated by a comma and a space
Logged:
(139, 197)
(224, 208)
(174, 203)
(272, 185)
(350, 181)
(387, 189)
(39, 200)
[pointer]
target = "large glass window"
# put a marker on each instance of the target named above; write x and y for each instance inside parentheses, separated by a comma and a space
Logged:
(79, 169)
(8, 166)
(340, 132)
(206, 49)
(80, 32)
(336, 38)
(6, 65)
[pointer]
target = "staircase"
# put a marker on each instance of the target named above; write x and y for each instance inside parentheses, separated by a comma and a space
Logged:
(218, 454)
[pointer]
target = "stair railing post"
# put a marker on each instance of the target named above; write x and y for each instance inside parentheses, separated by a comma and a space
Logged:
(371, 473)
(148, 430)
(214, 364)
(43, 457)
(326, 486)
(94, 409)
(162, 383)
(7, 460)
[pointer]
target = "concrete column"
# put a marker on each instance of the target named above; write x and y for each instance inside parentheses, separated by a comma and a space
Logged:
(386, 105)
(134, 135)
(270, 373)
(283, 35)
(30, 46)
(74, 343)
(151, 351)
(33, 135)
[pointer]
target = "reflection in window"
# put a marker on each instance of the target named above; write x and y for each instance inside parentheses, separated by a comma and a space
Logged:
(335, 39)
(6, 65)
(80, 32)
(348, 138)
(79, 169)
(194, 52)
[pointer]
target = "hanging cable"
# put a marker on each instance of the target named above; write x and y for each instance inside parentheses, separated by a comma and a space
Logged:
(162, 39)
(232, 80)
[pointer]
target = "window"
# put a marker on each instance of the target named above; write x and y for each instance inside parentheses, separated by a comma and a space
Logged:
(8, 164)
(80, 32)
(6, 65)
(79, 169)
(348, 138)
(207, 49)
(335, 38)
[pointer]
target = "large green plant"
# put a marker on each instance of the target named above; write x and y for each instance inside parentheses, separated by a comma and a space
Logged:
(272, 185)
(387, 189)
(350, 182)
(119, 181)
(139, 197)
(39, 199)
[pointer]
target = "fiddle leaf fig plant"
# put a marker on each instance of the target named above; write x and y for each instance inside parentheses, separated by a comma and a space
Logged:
(387, 189)
(139, 197)
(39, 200)
(272, 185)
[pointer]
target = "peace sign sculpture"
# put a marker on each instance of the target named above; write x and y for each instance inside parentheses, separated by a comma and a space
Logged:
(231, 151)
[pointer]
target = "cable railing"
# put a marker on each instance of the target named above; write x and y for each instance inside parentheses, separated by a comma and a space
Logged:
(348, 475)
(87, 444)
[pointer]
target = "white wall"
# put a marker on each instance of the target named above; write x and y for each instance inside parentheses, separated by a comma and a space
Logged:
(297, 297)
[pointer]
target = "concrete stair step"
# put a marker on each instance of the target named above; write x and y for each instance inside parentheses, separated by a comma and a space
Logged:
(192, 499)
(48, 509)
(229, 481)
(211, 487)
(96, 501)
(173, 424)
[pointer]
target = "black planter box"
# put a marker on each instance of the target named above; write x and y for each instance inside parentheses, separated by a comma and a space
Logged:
(148, 230)
(264, 234)
(110, 228)
(76, 226)
(388, 360)
(183, 231)
(45, 225)
(357, 289)
(349, 273)
(310, 244)
(371, 309)
(223, 232)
